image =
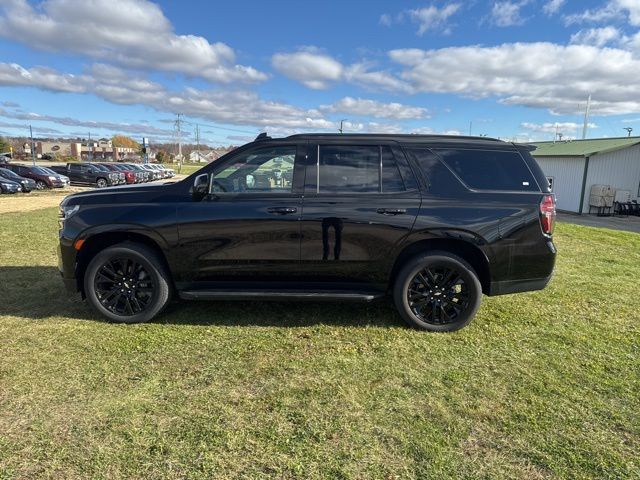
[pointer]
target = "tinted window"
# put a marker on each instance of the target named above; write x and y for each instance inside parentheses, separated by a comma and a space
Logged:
(266, 170)
(391, 179)
(348, 169)
(490, 170)
(437, 178)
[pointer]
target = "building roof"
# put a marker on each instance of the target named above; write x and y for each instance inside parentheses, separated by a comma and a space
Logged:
(583, 148)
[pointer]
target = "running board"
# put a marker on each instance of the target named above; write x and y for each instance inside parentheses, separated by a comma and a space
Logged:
(278, 295)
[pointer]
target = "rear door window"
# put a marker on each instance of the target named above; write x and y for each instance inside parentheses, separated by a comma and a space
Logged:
(489, 169)
(355, 169)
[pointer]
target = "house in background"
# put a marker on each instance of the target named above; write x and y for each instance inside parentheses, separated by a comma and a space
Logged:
(573, 167)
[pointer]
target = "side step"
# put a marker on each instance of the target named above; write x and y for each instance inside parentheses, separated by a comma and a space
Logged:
(278, 295)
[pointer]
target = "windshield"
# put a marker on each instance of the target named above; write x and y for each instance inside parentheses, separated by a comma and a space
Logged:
(8, 173)
(100, 168)
(43, 171)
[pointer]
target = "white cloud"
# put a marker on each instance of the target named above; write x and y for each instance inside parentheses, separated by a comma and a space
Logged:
(132, 33)
(372, 108)
(566, 128)
(612, 10)
(433, 18)
(597, 37)
(507, 13)
(238, 107)
(319, 71)
(310, 67)
(553, 6)
(12, 74)
(386, 20)
(530, 74)
(130, 128)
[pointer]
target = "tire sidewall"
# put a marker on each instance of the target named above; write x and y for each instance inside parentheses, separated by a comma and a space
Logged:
(40, 185)
(437, 259)
(101, 183)
(160, 295)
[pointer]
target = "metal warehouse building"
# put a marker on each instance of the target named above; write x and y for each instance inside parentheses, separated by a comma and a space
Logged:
(573, 167)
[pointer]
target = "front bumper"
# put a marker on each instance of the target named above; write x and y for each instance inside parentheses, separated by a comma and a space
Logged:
(11, 188)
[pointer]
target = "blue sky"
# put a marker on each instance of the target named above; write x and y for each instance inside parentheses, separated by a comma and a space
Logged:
(511, 69)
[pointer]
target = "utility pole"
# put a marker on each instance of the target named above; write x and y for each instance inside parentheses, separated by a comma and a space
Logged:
(586, 118)
(556, 136)
(198, 141)
(90, 148)
(470, 126)
(178, 128)
(341, 123)
(33, 148)
(629, 130)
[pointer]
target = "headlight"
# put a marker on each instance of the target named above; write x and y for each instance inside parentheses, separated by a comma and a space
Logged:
(68, 211)
(53, 179)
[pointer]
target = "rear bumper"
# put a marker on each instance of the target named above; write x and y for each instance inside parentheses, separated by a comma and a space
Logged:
(517, 286)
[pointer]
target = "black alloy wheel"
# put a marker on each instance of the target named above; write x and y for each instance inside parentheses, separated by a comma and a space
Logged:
(124, 286)
(438, 295)
(128, 283)
(438, 291)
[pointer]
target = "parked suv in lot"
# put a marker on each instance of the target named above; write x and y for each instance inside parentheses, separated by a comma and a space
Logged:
(42, 176)
(434, 221)
(89, 174)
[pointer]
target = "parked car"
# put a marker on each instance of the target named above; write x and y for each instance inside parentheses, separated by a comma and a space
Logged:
(44, 177)
(144, 174)
(9, 186)
(88, 174)
(26, 184)
(130, 176)
(120, 178)
(154, 174)
(433, 221)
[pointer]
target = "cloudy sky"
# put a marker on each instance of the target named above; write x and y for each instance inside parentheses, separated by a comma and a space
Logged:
(511, 69)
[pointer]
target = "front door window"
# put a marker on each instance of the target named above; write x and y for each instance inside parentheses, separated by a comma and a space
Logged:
(264, 170)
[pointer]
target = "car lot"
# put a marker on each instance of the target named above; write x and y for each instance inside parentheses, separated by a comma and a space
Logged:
(541, 385)
(50, 175)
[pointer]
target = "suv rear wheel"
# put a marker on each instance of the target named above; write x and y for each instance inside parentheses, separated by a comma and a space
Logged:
(438, 291)
(127, 283)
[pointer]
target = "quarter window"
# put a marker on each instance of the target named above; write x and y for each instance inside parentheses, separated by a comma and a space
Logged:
(265, 170)
(490, 169)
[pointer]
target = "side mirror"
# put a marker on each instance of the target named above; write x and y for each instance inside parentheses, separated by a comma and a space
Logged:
(200, 187)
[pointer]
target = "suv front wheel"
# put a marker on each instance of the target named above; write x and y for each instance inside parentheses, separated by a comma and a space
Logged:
(127, 283)
(438, 291)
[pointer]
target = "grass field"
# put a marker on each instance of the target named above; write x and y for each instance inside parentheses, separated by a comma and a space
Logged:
(540, 385)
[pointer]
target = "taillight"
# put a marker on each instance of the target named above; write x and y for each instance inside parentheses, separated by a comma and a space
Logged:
(548, 214)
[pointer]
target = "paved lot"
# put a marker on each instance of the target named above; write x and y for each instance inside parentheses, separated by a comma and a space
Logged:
(628, 224)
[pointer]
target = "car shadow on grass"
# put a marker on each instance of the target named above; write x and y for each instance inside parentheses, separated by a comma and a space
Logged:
(37, 293)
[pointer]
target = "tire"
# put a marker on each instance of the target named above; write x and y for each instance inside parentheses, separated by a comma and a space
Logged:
(40, 185)
(142, 295)
(101, 183)
(426, 303)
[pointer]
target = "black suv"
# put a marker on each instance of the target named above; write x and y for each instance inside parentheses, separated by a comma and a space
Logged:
(434, 221)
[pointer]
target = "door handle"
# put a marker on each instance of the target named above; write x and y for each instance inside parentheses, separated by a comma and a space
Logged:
(282, 210)
(392, 211)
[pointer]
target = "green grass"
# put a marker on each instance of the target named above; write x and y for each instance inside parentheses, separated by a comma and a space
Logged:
(187, 168)
(540, 385)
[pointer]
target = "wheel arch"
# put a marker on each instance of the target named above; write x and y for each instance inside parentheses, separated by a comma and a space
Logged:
(98, 241)
(462, 248)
